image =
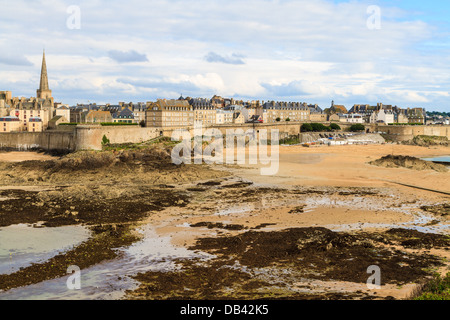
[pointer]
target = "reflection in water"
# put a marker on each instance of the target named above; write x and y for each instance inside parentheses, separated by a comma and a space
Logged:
(22, 245)
(110, 279)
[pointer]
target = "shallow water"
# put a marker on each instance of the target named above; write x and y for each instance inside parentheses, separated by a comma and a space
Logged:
(22, 245)
(442, 158)
(109, 280)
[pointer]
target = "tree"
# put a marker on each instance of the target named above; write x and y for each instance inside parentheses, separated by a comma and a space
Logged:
(105, 141)
(357, 127)
(306, 127)
(278, 119)
(335, 126)
(318, 127)
(288, 119)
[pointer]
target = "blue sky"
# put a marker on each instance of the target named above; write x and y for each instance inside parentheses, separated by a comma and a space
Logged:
(289, 50)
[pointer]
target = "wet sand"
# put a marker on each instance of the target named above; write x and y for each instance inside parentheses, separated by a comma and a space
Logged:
(16, 156)
(333, 178)
(325, 187)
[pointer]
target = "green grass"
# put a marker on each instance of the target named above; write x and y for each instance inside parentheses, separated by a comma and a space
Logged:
(290, 141)
(104, 124)
(110, 124)
(437, 289)
(405, 124)
(164, 141)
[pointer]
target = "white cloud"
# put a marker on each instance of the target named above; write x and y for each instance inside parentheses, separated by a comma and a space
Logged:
(315, 50)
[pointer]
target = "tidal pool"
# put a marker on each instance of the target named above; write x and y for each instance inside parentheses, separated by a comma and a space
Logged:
(110, 279)
(21, 245)
(444, 160)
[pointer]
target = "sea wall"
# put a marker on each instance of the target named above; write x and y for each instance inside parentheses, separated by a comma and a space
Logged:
(405, 133)
(89, 137)
(49, 141)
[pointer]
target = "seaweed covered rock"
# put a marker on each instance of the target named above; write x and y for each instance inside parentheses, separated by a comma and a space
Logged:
(391, 161)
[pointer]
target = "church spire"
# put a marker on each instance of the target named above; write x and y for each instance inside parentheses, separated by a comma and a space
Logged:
(44, 77)
(44, 91)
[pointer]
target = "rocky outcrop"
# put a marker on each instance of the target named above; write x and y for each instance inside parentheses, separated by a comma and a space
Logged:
(392, 161)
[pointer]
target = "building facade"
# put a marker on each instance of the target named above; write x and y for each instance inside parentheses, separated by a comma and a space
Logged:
(204, 111)
(272, 112)
(42, 106)
(169, 113)
(10, 124)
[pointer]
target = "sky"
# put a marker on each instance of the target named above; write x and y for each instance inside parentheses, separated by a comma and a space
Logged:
(353, 52)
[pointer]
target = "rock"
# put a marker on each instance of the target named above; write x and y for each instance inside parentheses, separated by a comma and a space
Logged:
(326, 240)
(298, 209)
(391, 161)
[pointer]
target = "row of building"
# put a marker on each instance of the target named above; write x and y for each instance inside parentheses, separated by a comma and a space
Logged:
(38, 114)
(381, 113)
(42, 112)
(184, 111)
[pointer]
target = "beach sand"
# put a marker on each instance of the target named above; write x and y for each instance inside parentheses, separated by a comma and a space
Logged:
(348, 166)
(329, 170)
(318, 187)
(19, 156)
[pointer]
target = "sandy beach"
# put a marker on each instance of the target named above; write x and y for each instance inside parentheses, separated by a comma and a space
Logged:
(16, 156)
(347, 166)
(344, 193)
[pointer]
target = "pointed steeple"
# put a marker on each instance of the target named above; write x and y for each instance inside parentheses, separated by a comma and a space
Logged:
(44, 91)
(44, 77)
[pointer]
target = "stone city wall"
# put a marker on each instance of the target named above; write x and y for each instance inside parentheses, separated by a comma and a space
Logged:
(89, 137)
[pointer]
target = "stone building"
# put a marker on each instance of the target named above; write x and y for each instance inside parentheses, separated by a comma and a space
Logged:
(41, 106)
(94, 116)
(238, 118)
(294, 111)
(204, 111)
(124, 116)
(335, 108)
(224, 116)
(138, 110)
(364, 110)
(316, 114)
(63, 111)
(246, 112)
(218, 102)
(10, 124)
(169, 113)
(35, 125)
(415, 115)
(355, 118)
(383, 116)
